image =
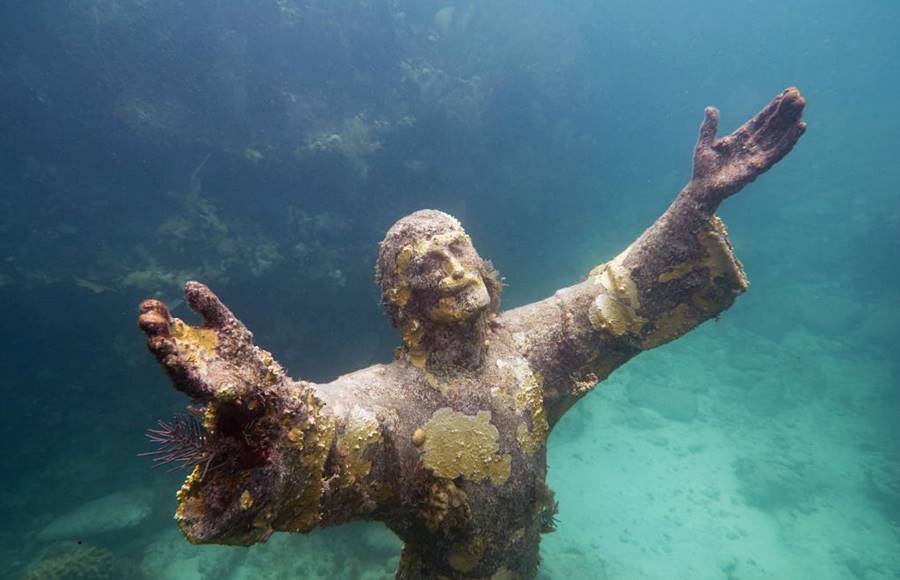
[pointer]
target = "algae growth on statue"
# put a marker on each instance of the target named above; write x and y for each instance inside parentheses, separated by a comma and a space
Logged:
(447, 443)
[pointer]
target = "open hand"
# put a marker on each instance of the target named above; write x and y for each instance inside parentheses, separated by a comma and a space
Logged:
(723, 166)
(213, 361)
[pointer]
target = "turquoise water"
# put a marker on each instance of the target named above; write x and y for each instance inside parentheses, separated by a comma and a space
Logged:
(264, 147)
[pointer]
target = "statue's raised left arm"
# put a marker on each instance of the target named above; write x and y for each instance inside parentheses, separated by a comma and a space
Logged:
(679, 273)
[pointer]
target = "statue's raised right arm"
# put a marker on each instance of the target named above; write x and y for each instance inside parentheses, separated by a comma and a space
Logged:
(679, 273)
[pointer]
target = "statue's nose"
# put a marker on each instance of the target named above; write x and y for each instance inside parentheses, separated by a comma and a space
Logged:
(454, 268)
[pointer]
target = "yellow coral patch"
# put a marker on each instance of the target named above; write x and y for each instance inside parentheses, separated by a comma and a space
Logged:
(412, 338)
(614, 310)
(246, 500)
(194, 339)
(458, 444)
(295, 435)
(312, 440)
(446, 504)
(209, 418)
(724, 278)
(418, 358)
(520, 390)
(187, 486)
(436, 384)
(192, 503)
(399, 295)
(530, 396)
(273, 369)
(670, 326)
(362, 432)
(722, 264)
(676, 272)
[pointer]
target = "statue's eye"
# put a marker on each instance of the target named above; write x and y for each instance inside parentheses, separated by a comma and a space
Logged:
(429, 264)
(457, 248)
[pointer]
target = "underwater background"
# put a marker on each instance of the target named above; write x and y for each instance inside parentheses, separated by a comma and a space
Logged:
(265, 146)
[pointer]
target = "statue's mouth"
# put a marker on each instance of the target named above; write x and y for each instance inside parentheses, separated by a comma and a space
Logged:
(462, 280)
(450, 285)
(461, 301)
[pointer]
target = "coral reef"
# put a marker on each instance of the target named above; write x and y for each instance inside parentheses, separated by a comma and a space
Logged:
(446, 444)
(81, 562)
(385, 75)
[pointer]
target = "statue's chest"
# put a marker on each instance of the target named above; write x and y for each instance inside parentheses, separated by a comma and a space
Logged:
(485, 426)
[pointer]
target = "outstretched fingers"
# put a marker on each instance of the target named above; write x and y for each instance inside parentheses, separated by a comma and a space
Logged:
(215, 314)
(156, 322)
(768, 129)
(154, 318)
(196, 358)
(204, 361)
(763, 116)
(708, 128)
(158, 325)
(704, 154)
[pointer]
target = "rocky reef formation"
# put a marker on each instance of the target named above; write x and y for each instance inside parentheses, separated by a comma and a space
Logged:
(81, 562)
(446, 444)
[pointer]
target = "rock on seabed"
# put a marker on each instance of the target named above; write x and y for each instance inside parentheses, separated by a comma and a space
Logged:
(117, 511)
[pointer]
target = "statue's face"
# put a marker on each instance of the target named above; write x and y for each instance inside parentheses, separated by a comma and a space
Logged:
(444, 269)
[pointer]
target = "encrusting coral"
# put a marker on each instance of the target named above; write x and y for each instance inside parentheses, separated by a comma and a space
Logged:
(446, 444)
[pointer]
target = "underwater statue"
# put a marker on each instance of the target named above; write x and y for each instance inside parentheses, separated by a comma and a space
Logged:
(446, 444)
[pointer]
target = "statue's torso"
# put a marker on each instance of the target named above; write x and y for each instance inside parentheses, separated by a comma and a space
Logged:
(471, 444)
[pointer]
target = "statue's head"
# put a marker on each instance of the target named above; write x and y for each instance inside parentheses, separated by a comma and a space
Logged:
(430, 274)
